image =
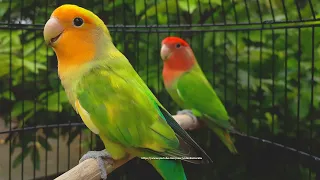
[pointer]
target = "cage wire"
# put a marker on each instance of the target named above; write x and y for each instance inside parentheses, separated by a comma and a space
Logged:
(261, 56)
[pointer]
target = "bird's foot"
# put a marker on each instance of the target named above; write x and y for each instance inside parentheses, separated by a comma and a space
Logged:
(191, 124)
(189, 113)
(100, 156)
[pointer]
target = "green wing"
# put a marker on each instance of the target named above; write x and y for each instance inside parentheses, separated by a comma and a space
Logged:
(196, 92)
(126, 112)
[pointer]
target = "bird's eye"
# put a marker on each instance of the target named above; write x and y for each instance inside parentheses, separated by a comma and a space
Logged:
(77, 21)
(178, 45)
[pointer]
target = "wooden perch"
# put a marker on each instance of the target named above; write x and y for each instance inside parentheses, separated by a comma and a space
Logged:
(89, 169)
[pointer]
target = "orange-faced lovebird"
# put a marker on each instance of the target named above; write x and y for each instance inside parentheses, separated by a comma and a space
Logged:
(111, 98)
(190, 89)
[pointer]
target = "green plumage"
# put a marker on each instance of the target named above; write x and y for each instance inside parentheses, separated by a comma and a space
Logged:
(130, 119)
(192, 91)
(111, 98)
(169, 168)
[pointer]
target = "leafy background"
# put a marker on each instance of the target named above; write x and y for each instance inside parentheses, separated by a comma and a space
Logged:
(262, 58)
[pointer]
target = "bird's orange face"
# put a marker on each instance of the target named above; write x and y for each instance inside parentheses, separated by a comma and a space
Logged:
(72, 32)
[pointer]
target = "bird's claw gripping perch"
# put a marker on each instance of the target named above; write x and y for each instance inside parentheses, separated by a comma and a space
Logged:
(191, 125)
(188, 112)
(100, 156)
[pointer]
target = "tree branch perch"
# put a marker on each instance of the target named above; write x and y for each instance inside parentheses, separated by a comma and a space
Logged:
(89, 169)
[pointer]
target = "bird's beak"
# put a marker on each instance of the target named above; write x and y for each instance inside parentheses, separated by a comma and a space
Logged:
(52, 31)
(165, 52)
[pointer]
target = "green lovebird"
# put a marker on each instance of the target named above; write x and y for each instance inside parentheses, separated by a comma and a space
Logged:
(190, 89)
(111, 98)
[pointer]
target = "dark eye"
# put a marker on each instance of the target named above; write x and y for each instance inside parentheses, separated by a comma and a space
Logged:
(77, 21)
(178, 45)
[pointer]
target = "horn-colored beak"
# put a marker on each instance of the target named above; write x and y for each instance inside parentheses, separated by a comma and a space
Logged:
(52, 31)
(165, 52)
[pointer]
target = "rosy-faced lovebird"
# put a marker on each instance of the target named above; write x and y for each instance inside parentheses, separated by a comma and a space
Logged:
(190, 89)
(111, 98)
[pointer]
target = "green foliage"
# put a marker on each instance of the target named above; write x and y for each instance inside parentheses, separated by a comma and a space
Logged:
(262, 72)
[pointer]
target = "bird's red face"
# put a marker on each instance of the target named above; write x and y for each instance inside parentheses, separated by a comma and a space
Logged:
(177, 54)
(173, 45)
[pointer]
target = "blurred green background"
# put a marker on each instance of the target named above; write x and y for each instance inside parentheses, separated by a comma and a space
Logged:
(261, 56)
